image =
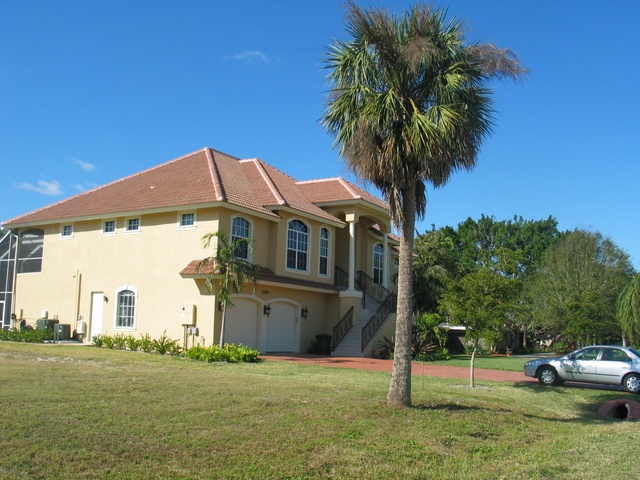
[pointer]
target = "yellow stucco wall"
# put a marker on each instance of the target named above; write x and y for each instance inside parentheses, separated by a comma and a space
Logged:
(149, 261)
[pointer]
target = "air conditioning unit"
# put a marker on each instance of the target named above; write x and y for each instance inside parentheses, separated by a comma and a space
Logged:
(43, 323)
(62, 331)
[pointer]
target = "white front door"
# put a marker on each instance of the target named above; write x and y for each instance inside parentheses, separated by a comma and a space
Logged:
(97, 314)
(281, 327)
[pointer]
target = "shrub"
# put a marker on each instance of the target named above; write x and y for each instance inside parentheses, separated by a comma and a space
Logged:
(165, 345)
(98, 341)
(145, 343)
(26, 335)
(132, 343)
(120, 342)
(107, 341)
(440, 353)
(228, 353)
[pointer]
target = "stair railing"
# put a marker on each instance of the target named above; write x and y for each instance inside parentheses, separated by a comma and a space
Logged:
(341, 278)
(387, 306)
(341, 328)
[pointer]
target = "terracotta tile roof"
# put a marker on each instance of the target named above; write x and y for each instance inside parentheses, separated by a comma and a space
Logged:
(330, 190)
(266, 275)
(203, 177)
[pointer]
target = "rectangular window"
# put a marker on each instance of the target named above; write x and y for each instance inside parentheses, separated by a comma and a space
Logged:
(126, 309)
(133, 225)
(240, 233)
(67, 231)
(109, 227)
(324, 251)
(187, 220)
(297, 246)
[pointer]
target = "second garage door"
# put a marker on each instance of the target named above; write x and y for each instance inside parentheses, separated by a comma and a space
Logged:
(281, 328)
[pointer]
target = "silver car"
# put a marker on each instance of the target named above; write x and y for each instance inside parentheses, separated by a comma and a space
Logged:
(605, 364)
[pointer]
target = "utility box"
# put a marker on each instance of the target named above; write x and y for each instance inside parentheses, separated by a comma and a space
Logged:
(43, 324)
(62, 331)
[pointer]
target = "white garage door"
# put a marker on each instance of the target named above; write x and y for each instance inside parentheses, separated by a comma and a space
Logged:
(241, 324)
(280, 328)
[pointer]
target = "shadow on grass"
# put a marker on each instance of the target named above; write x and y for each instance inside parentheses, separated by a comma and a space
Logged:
(587, 412)
(447, 407)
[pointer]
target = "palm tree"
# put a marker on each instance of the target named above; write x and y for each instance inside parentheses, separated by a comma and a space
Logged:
(231, 270)
(628, 311)
(408, 105)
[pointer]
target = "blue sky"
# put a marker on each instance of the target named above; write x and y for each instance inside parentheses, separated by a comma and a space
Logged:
(92, 91)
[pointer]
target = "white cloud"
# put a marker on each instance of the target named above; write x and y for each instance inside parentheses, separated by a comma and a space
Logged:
(86, 166)
(249, 56)
(43, 187)
(84, 187)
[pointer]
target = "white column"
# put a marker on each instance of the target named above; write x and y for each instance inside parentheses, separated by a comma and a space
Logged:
(385, 260)
(352, 255)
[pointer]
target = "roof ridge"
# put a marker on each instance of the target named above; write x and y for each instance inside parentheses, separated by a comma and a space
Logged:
(347, 185)
(267, 179)
(215, 176)
(318, 180)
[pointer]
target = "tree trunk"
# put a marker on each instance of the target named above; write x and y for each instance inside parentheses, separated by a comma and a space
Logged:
(224, 314)
(400, 386)
(472, 368)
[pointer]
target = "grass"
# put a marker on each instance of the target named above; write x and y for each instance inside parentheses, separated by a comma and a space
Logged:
(494, 362)
(82, 412)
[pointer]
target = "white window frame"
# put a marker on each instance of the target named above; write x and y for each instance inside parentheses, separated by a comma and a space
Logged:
(327, 256)
(378, 257)
(248, 238)
(181, 217)
(296, 250)
(64, 233)
(126, 225)
(115, 227)
(119, 290)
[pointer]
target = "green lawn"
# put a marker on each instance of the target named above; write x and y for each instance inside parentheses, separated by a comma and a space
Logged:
(83, 412)
(495, 362)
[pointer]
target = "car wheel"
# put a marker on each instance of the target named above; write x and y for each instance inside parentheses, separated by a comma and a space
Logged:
(631, 383)
(547, 376)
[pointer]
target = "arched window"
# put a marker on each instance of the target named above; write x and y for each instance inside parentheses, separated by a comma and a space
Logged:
(377, 263)
(297, 245)
(324, 251)
(241, 232)
(126, 307)
(30, 251)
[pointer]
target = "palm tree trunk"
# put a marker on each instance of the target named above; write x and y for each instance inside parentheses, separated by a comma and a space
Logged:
(400, 386)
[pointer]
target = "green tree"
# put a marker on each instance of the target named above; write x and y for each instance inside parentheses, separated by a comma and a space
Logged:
(480, 302)
(228, 269)
(574, 290)
(409, 104)
(628, 311)
(435, 261)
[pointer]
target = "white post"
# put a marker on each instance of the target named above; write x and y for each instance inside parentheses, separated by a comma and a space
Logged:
(352, 255)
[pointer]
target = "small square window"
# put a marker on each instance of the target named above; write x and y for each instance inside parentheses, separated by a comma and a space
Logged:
(187, 220)
(396, 262)
(133, 225)
(109, 226)
(67, 231)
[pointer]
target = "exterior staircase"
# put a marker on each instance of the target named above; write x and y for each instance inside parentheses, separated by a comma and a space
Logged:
(353, 335)
(351, 344)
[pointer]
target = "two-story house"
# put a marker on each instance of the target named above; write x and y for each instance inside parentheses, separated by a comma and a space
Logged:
(122, 258)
